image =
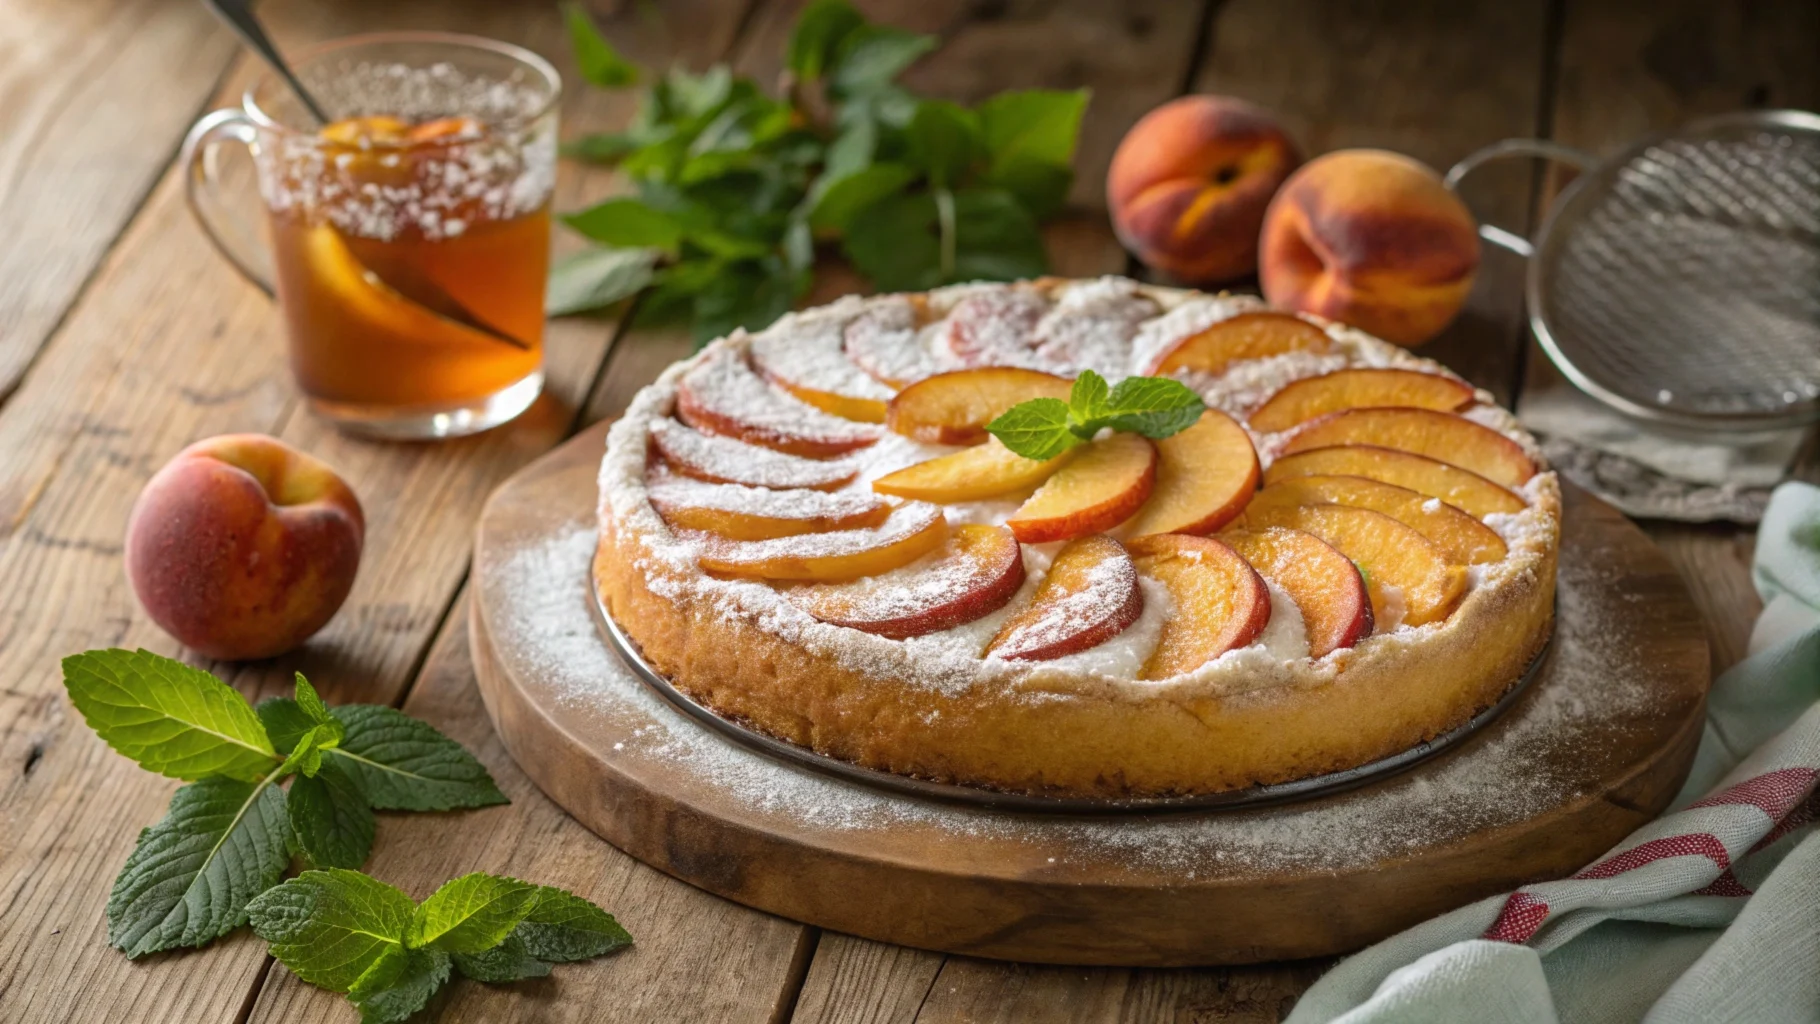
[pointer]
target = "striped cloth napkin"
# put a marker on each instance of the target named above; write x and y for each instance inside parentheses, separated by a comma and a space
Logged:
(1709, 913)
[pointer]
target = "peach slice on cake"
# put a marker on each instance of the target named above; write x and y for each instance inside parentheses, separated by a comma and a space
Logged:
(808, 361)
(1090, 596)
(756, 513)
(1305, 399)
(1324, 584)
(1458, 487)
(1388, 554)
(1246, 336)
(972, 474)
(976, 573)
(1453, 439)
(725, 460)
(1098, 489)
(1204, 476)
(884, 342)
(1220, 601)
(996, 328)
(722, 395)
(954, 407)
(1466, 540)
(908, 533)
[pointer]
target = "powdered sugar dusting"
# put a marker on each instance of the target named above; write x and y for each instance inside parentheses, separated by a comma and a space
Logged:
(1102, 596)
(723, 386)
(806, 350)
(727, 460)
(759, 501)
(885, 342)
(1091, 328)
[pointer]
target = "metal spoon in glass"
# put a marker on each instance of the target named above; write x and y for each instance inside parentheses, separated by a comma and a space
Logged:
(417, 288)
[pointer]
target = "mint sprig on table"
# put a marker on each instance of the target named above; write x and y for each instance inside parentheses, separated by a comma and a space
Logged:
(1043, 428)
(736, 187)
(229, 836)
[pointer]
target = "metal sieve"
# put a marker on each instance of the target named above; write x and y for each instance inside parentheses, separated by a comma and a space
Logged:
(1679, 282)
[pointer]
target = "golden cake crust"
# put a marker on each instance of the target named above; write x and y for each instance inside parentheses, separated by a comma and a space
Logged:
(1037, 730)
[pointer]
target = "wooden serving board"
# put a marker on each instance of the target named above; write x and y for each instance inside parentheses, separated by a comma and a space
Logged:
(1598, 744)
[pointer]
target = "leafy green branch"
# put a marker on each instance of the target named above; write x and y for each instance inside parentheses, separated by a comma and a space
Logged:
(1043, 428)
(736, 189)
(217, 857)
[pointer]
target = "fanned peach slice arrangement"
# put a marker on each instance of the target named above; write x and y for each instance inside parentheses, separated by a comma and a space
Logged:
(954, 407)
(755, 513)
(908, 533)
(1090, 596)
(1246, 336)
(983, 471)
(1221, 603)
(1305, 399)
(1389, 555)
(1205, 475)
(1323, 583)
(725, 460)
(1098, 489)
(1458, 487)
(722, 395)
(1439, 435)
(1465, 540)
(975, 574)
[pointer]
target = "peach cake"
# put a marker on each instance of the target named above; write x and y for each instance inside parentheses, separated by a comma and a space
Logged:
(810, 531)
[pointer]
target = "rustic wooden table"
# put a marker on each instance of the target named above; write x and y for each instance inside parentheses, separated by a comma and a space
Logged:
(123, 337)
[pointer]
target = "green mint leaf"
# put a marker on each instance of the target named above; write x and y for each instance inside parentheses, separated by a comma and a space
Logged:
(856, 145)
(508, 961)
(332, 927)
(596, 58)
(189, 880)
(603, 147)
(1155, 407)
(172, 719)
(331, 823)
(1087, 403)
(819, 32)
(597, 278)
(628, 223)
(894, 242)
(944, 140)
(310, 703)
(471, 914)
(1030, 139)
(996, 239)
(1037, 429)
(403, 764)
(833, 202)
(399, 985)
(748, 294)
(563, 927)
(306, 756)
(285, 722)
(872, 55)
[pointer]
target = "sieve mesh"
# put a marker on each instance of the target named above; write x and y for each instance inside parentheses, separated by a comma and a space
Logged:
(1683, 279)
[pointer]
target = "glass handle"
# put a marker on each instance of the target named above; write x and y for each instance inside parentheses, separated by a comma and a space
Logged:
(1533, 148)
(237, 239)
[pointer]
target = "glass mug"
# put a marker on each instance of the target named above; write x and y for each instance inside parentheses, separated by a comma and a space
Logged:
(409, 240)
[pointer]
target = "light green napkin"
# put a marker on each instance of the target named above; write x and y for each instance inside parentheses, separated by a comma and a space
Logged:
(1710, 913)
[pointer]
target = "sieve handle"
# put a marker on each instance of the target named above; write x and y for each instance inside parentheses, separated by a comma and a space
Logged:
(1579, 159)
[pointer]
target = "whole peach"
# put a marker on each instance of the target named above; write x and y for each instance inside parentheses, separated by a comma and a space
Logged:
(1190, 182)
(243, 547)
(1372, 239)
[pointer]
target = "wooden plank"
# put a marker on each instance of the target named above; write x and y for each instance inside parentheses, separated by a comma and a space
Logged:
(93, 99)
(171, 348)
(1433, 79)
(697, 957)
(985, 992)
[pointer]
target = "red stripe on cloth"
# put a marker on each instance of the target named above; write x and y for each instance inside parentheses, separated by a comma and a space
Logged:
(1726, 884)
(1796, 818)
(1522, 915)
(1695, 844)
(1774, 793)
